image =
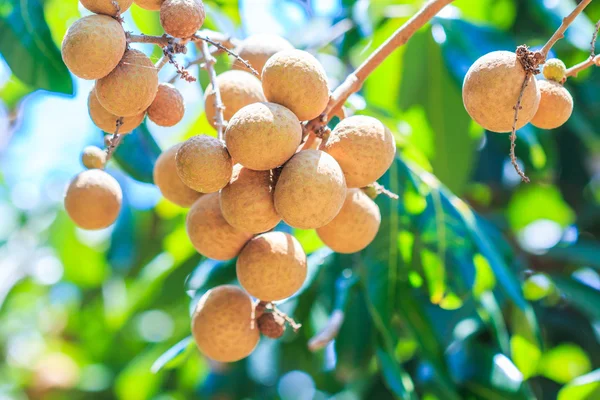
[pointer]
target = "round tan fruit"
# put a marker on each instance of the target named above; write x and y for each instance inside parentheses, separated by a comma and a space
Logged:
(257, 49)
(272, 266)
(222, 324)
(93, 199)
(182, 18)
(296, 79)
(169, 183)
(310, 190)
(93, 46)
(355, 226)
(131, 87)
(152, 5)
(93, 157)
(204, 164)
(107, 7)
(364, 148)
(210, 234)
(168, 107)
(108, 121)
(556, 105)
(263, 136)
(491, 89)
(238, 89)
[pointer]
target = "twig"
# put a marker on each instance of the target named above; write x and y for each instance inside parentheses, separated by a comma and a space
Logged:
(162, 62)
(295, 326)
(198, 37)
(115, 141)
(219, 107)
(329, 333)
(560, 32)
(594, 37)
(380, 189)
(169, 51)
(593, 59)
(513, 134)
(161, 41)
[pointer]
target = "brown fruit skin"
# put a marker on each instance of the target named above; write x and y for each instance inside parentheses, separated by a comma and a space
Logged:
(168, 107)
(272, 266)
(204, 164)
(151, 5)
(210, 234)
(93, 157)
(106, 7)
(364, 148)
(93, 46)
(247, 201)
(238, 89)
(169, 183)
(296, 79)
(257, 49)
(356, 225)
(491, 89)
(556, 105)
(93, 199)
(131, 87)
(263, 136)
(310, 190)
(222, 324)
(271, 325)
(108, 121)
(182, 18)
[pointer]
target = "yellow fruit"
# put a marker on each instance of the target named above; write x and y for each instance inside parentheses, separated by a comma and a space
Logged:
(169, 183)
(93, 157)
(210, 234)
(247, 201)
(238, 89)
(222, 324)
(491, 89)
(296, 79)
(131, 87)
(93, 46)
(168, 108)
(107, 121)
(182, 18)
(355, 226)
(204, 164)
(554, 70)
(272, 266)
(310, 190)
(364, 148)
(257, 49)
(556, 105)
(107, 7)
(152, 5)
(93, 199)
(263, 136)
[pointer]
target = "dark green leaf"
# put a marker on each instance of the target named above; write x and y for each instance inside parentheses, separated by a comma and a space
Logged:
(396, 378)
(137, 154)
(173, 357)
(580, 295)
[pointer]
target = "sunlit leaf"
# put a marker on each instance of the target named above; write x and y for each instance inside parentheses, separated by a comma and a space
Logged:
(585, 387)
(564, 363)
(175, 356)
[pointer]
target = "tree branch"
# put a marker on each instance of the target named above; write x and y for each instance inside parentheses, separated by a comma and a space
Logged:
(219, 107)
(161, 41)
(560, 32)
(115, 141)
(577, 68)
(199, 37)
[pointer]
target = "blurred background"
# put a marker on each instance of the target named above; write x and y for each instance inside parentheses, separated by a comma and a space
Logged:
(476, 287)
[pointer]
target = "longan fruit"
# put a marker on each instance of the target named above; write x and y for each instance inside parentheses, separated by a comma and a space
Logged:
(182, 18)
(204, 164)
(93, 46)
(296, 79)
(151, 5)
(93, 199)
(238, 89)
(554, 70)
(364, 148)
(131, 87)
(107, 7)
(247, 201)
(355, 226)
(93, 157)
(257, 49)
(491, 89)
(168, 107)
(263, 136)
(310, 190)
(556, 105)
(168, 181)
(222, 324)
(108, 121)
(210, 233)
(272, 266)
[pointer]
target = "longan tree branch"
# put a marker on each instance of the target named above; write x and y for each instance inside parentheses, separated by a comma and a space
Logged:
(161, 41)
(513, 133)
(115, 141)
(593, 59)
(199, 37)
(560, 32)
(219, 107)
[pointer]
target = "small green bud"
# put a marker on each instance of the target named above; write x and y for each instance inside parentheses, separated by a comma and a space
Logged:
(555, 70)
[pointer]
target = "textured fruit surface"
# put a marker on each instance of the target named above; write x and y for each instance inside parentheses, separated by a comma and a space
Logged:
(222, 324)
(238, 89)
(263, 136)
(152, 5)
(182, 18)
(554, 70)
(210, 233)
(93, 199)
(168, 181)
(310, 190)
(204, 164)
(247, 201)
(556, 105)
(93, 157)
(355, 226)
(272, 266)
(93, 46)
(131, 87)
(296, 79)
(364, 148)
(257, 49)
(271, 325)
(168, 107)
(108, 121)
(107, 7)
(491, 89)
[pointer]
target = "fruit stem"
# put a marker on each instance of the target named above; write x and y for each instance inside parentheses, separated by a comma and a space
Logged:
(577, 68)
(199, 37)
(164, 60)
(219, 107)
(115, 140)
(513, 133)
(560, 32)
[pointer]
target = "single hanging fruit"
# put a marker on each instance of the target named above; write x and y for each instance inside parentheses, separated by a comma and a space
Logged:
(204, 164)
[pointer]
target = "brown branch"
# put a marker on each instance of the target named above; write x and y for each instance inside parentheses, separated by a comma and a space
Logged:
(513, 134)
(219, 107)
(198, 37)
(115, 141)
(560, 32)
(161, 41)
(577, 68)
(164, 60)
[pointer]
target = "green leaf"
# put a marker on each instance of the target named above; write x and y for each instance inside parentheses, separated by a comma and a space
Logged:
(137, 154)
(585, 387)
(580, 295)
(484, 276)
(395, 377)
(175, 356)
(13, 91)
(564, 363)
(549, 205)
(537, 286)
